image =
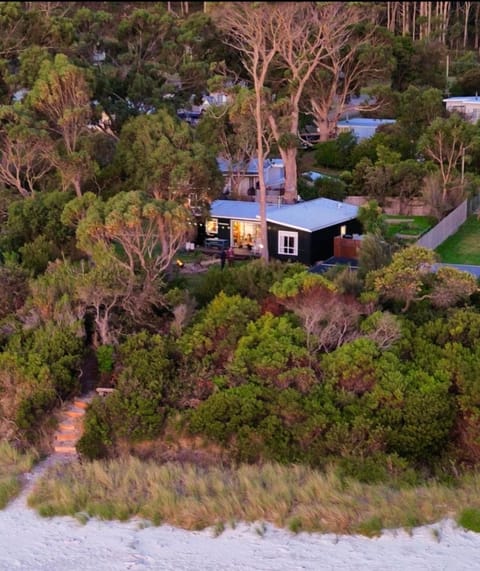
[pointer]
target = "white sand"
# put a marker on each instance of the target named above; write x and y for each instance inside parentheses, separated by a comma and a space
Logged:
(32, 543)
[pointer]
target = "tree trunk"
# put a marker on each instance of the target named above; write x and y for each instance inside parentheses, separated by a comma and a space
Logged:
(289, 157)
(76, 182)
(477, 23)
(261, 173)
(323, 127)
(467, 8)
(414, 15)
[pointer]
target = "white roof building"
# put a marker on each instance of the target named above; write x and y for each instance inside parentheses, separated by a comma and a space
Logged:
(468, 106)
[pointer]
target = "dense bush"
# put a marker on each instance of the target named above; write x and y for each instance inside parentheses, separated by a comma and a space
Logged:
(272, 351)
(325, 187)
(252, 280)
(337, 153)
(207, 346)
(145, 386)
(39, 369)
(34, 224)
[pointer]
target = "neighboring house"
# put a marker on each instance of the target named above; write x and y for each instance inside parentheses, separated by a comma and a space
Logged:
(468, 106)
(361, 127)
(193, 113)
(241, 179)
(313, 176)
(302, 232)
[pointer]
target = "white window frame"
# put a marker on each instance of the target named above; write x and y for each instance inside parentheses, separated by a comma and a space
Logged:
(286, 250)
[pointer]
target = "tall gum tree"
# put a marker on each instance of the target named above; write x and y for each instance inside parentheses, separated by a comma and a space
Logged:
(140, 235)
(302, 29)
(62, 96)
(251, 29)
(355, 55)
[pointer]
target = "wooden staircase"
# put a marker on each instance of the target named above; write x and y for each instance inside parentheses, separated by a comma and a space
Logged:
(70, 428)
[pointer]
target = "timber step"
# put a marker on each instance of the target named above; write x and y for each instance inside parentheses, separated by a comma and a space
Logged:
(70, 424)
(75, 412)
(68, 436)
(65, 448)
(70, 428)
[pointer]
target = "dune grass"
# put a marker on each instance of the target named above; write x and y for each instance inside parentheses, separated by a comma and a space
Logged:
(12, 464)
(293, 497)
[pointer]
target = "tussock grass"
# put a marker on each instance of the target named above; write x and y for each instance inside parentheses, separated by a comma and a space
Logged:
(293, 497)
(13, 463)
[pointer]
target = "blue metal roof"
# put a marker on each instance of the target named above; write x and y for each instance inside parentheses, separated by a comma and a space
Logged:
(225, 165)
(310, 216)
(463, 98)
(364, 122)
(314, 175)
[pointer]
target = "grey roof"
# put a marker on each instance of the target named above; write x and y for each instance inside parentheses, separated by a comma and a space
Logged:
(310, 216)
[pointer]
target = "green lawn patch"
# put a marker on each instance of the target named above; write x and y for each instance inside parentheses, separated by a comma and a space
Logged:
(408, 225)
(463, 246)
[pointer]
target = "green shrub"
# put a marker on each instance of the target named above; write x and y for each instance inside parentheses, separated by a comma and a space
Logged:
(337, 153)
(97, 436)
(470, 519)
(252, 279)
(105, 358)
(37, 254)
(269, 350)
(224, 413)
(295, 525)
(372, 527)
(208, 345)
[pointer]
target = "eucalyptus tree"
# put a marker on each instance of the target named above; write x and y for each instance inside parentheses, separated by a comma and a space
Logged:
(251, 29)
(61, 95)
(447, 143)
(138, 235)
(161, 155)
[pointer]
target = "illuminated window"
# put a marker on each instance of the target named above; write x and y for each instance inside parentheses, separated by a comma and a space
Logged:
(288, 243)
(211, 227)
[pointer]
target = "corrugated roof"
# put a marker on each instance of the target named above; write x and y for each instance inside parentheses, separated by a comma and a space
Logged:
(309, 216)
(364, 122)
(313, 215)
(238, 209)
(251, 168)
(463, 98)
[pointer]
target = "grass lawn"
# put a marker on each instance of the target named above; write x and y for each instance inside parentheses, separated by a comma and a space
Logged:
(410, 225)
(464, 246)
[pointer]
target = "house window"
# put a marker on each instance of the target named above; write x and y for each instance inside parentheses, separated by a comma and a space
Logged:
(211, 227)
(343, 230)
(288, 243)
